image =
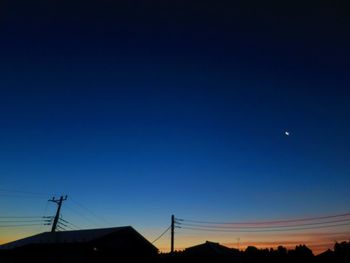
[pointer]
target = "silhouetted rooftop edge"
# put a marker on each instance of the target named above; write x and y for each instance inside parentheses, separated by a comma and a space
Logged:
(73, 236)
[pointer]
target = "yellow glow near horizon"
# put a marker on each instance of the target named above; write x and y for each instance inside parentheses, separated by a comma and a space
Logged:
(318, 242)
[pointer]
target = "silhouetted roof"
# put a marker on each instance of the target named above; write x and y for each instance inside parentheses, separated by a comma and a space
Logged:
(75, 236)
(210, 249)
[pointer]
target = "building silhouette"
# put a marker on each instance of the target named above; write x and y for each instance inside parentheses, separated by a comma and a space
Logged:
(90, 245)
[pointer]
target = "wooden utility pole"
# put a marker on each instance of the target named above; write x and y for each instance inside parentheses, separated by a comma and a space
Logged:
(172, 233)
(59, 204)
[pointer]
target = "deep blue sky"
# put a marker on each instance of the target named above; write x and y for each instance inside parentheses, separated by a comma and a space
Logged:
(143, 110)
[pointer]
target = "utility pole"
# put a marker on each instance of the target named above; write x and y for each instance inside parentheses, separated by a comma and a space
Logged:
(172, 233)
(59, 204)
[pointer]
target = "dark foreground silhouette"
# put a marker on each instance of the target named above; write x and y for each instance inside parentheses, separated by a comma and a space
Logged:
(214, 252)
(207, 252)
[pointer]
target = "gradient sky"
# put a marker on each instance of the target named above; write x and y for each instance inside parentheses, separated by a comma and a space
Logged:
(139, 111)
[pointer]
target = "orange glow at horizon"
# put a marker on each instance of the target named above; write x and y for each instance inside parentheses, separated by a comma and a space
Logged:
(317, 242)
(7, 235)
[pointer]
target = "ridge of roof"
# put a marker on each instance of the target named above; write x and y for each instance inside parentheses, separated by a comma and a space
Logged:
(70, 236)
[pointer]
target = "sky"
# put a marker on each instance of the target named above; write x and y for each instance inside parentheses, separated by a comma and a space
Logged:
(138, 110)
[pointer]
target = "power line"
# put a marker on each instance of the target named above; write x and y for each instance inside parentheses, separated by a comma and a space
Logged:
(82, 215)
(24, 225)
(69, 227)
(44, 216)
(264, 227)
(267, 222)
(21, 216)
(262, 230)
(98, 217)
(61, 228)
(20, 193)
(21, 221)
(162, 234)
(67, 222)
(59, 223)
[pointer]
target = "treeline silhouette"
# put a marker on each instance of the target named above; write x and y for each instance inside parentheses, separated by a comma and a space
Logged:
(301, 253)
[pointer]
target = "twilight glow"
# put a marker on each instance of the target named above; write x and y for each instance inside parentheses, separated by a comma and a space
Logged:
(141, 111)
